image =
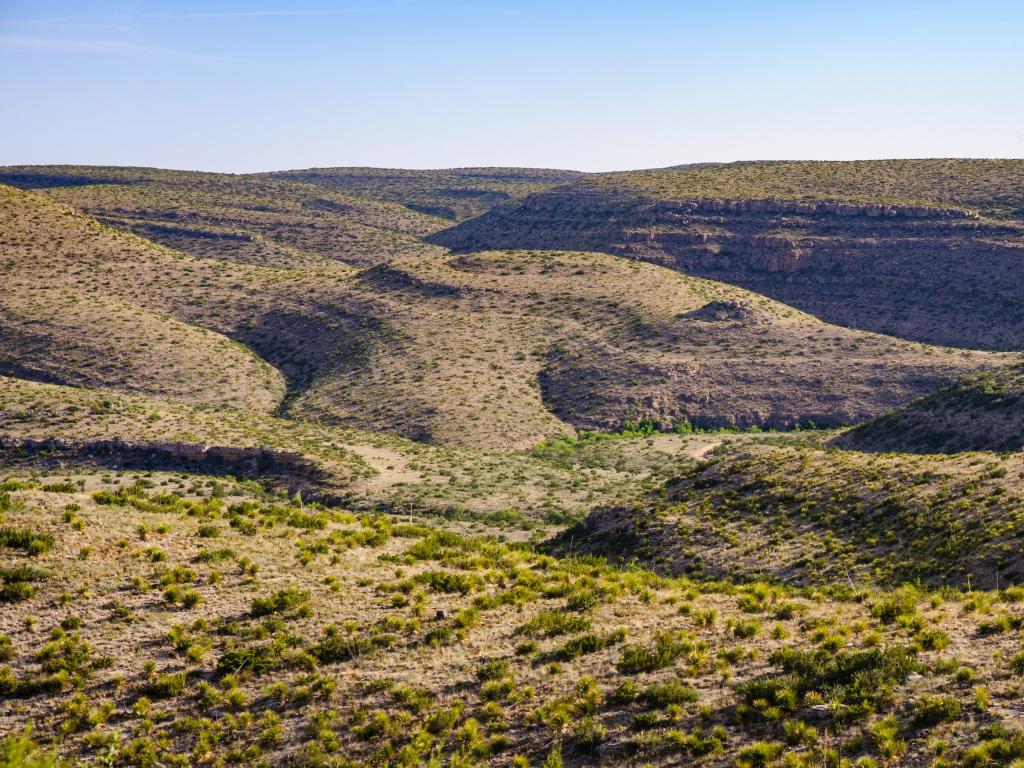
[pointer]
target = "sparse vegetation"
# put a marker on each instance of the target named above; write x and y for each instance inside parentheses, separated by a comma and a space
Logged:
(334, 496)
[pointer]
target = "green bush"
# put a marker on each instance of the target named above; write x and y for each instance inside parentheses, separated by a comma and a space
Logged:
(167, 686)
(18, 750)
(280, 602)
(668, 647)
(32, 542)
(552, 623)
(669, 692)
(257, 660)
(932, 710)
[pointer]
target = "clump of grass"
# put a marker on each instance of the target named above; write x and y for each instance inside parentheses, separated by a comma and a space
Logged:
(287, 600)
(667, 647)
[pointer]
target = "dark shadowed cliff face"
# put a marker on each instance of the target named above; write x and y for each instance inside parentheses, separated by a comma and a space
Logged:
(933, 273)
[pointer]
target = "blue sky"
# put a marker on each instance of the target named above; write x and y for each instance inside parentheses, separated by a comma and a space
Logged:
(256, 85)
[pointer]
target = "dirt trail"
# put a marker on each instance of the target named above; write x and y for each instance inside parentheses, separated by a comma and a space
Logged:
(700, 451)
(695, 446)
(392, 466)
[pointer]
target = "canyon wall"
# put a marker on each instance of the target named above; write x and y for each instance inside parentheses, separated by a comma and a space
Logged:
(937, 274)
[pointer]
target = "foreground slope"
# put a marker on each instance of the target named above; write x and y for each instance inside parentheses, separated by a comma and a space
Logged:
(982, 412)
(179, 620)
(805, 515)
(922, 249)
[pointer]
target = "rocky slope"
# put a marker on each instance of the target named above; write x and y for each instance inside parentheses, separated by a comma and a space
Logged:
(926, 250)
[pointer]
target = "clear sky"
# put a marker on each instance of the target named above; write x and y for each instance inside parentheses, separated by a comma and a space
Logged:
(245, 85)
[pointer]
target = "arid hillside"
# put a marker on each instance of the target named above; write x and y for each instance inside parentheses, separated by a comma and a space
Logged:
(238, 218)
(984, 412)
(498, 349)
(51, 426)
(922, 249)
(284, 484)
(154, 618)
(454, 193)
(804, 515)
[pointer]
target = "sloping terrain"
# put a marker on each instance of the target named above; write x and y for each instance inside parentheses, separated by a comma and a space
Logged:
(281, 484)
(61, 336)
(493, 350)
(984, 412)
(635, 341)
(239, 218)
(454, 193)
(51, 253)
(922, 249)
(171, 619)
(43, 425)
(810, 516)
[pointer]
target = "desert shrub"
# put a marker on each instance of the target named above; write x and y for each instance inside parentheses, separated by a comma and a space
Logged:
(32, 542)
(443, 720)
(885, 734)
(447, 582)
(759, 754)
(554, 758)
(166, 686)
(257, 660)
(16, 592)
(18, 750)
(59, 487)
(932, 710)
(339, 647)
(1000, 746)
(552, 623)
(894, 604)
(696, 743)
(283, 601)
(799, 732)
(745, 628)
(70, 654)
(587, 643)
(589, 734)
(660, 695)
(862, 680)
(495, 669)
(668, 647)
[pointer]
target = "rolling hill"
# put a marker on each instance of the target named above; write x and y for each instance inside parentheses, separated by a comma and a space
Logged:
(984, 412)
(499, 349)
(454, 193)
(804, 515)
(246, 219)
(922, 249)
